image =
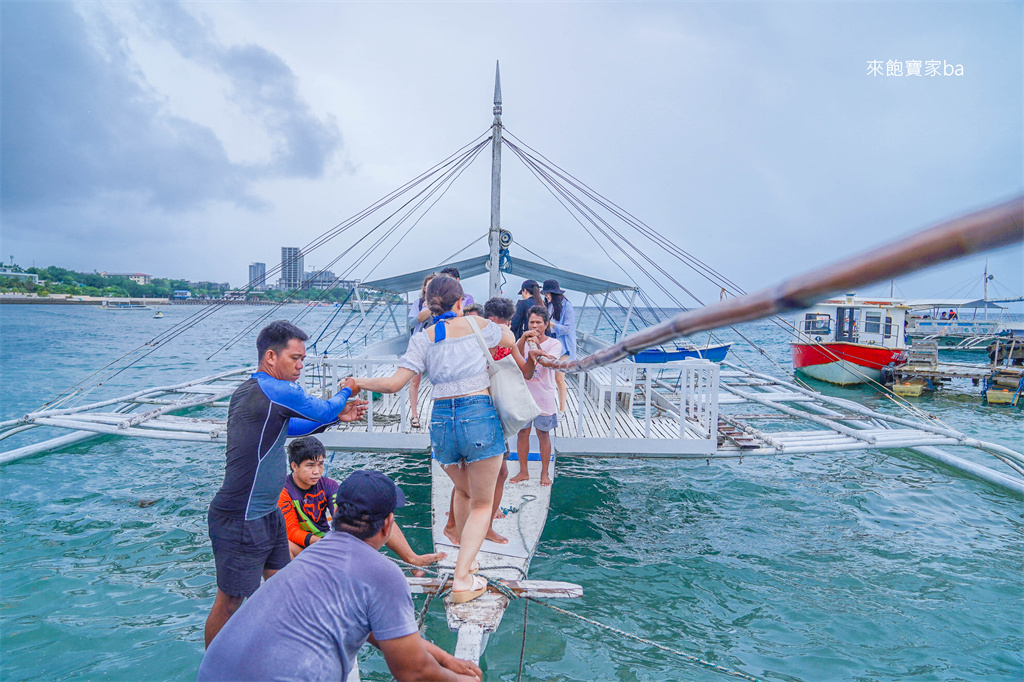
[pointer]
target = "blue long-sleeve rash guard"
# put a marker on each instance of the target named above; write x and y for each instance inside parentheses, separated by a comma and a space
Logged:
(263, 413)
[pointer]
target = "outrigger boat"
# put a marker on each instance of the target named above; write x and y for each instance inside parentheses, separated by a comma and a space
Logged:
(617, 407)
(848, 340)
(956, 330)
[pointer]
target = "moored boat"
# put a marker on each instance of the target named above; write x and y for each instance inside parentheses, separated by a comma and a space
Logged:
(122, 304)
(849, 340)
(712, 352)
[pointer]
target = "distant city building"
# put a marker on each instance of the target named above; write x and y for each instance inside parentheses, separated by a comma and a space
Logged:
(182, 294)
(325, 279)
(318, 279)
(137, 277)
(258, 276)
(211, 286)
(8, 272)
(291, 267)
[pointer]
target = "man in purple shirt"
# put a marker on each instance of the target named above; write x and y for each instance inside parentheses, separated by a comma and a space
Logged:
(310, 621)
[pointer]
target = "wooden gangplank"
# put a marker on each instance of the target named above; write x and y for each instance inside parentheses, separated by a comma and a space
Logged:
(528, 502)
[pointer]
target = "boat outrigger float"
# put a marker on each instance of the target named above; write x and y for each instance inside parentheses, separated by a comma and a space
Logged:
(617, 407)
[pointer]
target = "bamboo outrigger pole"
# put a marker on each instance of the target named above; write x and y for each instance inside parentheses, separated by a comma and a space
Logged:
(989, 228)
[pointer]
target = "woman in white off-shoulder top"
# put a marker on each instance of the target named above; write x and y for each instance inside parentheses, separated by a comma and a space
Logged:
(465, 432)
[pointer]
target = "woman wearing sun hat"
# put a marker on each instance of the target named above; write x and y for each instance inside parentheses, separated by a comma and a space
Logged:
(563, 317)
(563, 328)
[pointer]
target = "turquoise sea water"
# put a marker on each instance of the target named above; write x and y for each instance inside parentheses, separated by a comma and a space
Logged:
(859, 566)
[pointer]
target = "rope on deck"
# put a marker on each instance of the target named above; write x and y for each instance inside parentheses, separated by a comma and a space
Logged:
(500, 587)
(692, 659)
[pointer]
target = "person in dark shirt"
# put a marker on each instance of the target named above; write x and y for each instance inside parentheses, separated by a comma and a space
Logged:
(247, 529)
(530, 296)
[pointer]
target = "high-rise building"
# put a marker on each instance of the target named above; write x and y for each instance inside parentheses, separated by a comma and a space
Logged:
(258, 276)
(291, 267)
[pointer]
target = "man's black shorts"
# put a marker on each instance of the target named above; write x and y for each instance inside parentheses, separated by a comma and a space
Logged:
(243, 549)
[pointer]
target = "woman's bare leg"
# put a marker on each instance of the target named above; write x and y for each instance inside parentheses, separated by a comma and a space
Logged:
(450, 531)
(499, 490)
(474, 485)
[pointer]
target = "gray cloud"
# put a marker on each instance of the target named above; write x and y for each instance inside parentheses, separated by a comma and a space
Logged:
(80, 124)
(262, 85)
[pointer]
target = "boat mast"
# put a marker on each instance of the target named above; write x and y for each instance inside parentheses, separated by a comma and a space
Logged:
(986, 280)
(985, 297)
(493, 235)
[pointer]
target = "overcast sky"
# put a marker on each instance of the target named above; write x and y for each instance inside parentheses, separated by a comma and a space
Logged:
(189, 139)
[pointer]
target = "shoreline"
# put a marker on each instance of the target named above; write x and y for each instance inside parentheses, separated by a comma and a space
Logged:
(96, 301)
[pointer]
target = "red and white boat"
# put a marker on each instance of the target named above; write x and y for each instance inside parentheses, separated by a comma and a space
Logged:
(849, 340)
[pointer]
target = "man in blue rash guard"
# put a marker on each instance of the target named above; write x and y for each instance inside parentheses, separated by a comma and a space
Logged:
(247, 529)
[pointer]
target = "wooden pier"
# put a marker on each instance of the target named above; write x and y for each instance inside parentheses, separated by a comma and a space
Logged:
(923, 364)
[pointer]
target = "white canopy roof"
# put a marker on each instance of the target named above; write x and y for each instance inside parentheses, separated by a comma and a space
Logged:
(521, 269)
(919, 303)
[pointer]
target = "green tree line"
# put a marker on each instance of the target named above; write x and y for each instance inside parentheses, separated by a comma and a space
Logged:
(56, 280)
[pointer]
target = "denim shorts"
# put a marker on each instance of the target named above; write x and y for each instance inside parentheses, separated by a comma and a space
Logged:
(465, 429)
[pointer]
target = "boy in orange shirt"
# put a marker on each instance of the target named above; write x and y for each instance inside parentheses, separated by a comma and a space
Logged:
(309, 498)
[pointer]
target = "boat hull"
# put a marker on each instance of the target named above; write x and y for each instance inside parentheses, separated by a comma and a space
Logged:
(661, 356)
(843, 363)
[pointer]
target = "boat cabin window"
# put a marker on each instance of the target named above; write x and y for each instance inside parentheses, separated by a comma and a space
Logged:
(818, 323)
(872, 323)
(846, 324)
(888, 327)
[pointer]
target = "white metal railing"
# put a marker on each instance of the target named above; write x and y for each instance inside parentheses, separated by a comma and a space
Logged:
(698, 400)
(329, 371)
(692, 398)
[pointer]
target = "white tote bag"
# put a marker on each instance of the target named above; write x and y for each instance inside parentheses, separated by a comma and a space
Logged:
(511, 397)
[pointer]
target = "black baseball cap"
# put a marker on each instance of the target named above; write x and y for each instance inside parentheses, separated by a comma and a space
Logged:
(368, 493)
(528, 284)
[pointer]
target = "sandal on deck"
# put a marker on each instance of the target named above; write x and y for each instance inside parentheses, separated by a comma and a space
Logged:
(463, 596)
(414, 422)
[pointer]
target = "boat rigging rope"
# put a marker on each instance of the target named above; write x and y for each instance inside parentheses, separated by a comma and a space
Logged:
(688, 259)
(555, 188)
(535, 254)
(547, 173)
(442, 185)
(451, 257)
(90, 382)
(682, 654)
(324, 329)
(500, 587)
(422, 195)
